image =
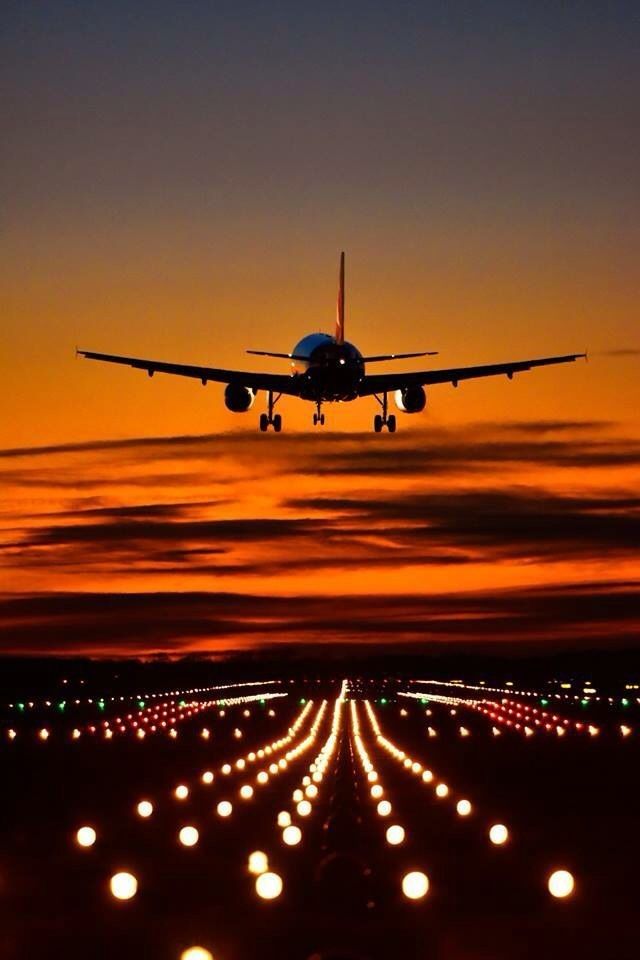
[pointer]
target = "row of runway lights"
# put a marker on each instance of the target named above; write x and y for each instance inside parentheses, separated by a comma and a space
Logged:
(124, 885)
(509, 713)
(560, 883)
(86, 836)
(585, 697)
(61, 704)
(162, 717)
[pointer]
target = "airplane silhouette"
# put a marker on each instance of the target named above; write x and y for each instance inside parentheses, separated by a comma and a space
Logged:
(329, 369)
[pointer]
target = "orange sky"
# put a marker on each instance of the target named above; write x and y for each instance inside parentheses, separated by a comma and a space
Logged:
(181, 191)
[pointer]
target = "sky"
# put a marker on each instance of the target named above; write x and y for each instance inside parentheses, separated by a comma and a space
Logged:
(179, 181)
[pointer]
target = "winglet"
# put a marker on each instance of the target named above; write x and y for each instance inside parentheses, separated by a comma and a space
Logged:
(339, 336)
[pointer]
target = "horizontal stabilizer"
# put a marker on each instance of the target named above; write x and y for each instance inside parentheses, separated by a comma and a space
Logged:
(279, 356)
(400, 356)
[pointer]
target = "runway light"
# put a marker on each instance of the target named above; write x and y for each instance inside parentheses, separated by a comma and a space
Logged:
(415, 885)
(258, 862)
(145, 809)
(292, 835)
(384, 808)
(207, 777)
(376, 791)
(427, 776)
(224, 808)
(269, 886)
(498, 834)
(304, 808)
(188, 836)
(123, 885)
(181, 792)
(463, 808)
(284, 818)
(561, 884)
(395, 835)
(442, 790)
(86, 837)
(246, 791)
(196, 953)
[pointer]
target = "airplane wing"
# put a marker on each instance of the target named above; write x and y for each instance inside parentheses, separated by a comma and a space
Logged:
(388, 382)
(278, 383)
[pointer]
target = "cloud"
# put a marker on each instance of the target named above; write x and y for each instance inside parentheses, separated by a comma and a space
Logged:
(140, 623)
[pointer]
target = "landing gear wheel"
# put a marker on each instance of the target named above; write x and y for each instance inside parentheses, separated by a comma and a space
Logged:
(391, 423)
(277, 423)
(264, 422)
(377, 423)
(322, 419)
(315, 419)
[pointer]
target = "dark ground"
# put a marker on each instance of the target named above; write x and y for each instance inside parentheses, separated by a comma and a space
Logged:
(569, 802)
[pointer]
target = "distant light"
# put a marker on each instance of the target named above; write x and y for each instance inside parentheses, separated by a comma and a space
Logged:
(442, 790)
(561, 884)
(224, 808)
(292, 835)
(145, 808)
(123, 885)
(258, 862)
(304, 808)
(43, 734)
(427, 776)
(284, 818)
(188, 836)
(372, 776)
(395, 835)
(226, 769)
(384, 808)
(196, 953)
(463, 807)
(246, 791)
(86, 837)
(376, 791)
(415, 885)
(498, 834)
(207, 776)
(269, 885)
(181, 792)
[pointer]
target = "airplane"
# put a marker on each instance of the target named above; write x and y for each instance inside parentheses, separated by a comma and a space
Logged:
(329, 369)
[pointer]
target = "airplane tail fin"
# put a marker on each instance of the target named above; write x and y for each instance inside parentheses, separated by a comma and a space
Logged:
(340, 311)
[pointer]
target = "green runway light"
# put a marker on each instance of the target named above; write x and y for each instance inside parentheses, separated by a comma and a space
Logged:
(624, 702)
(383, 700)
(100, 704)
(302, 700)
(585, 701)
(544, 702)
(262, 703)
(20, 706)
(62, 705)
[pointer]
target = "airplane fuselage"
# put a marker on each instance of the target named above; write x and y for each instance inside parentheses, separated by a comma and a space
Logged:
(325, 370)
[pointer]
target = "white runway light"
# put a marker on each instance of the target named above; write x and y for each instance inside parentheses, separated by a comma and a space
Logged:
(269, 886)
(86, 837)
(498, 834)
(415, 885)
(561, 884)
(123, 885)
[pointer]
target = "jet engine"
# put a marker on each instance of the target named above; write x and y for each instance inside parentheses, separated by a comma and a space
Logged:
(411, 399)
(238, 399)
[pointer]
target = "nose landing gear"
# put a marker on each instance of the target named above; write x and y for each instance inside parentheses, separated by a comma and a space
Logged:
(269, 418)
(318, 417)
(387, 419)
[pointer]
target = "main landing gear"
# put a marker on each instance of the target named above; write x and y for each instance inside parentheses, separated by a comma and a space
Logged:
(269, 418)
(387, 419)
(318, 417)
